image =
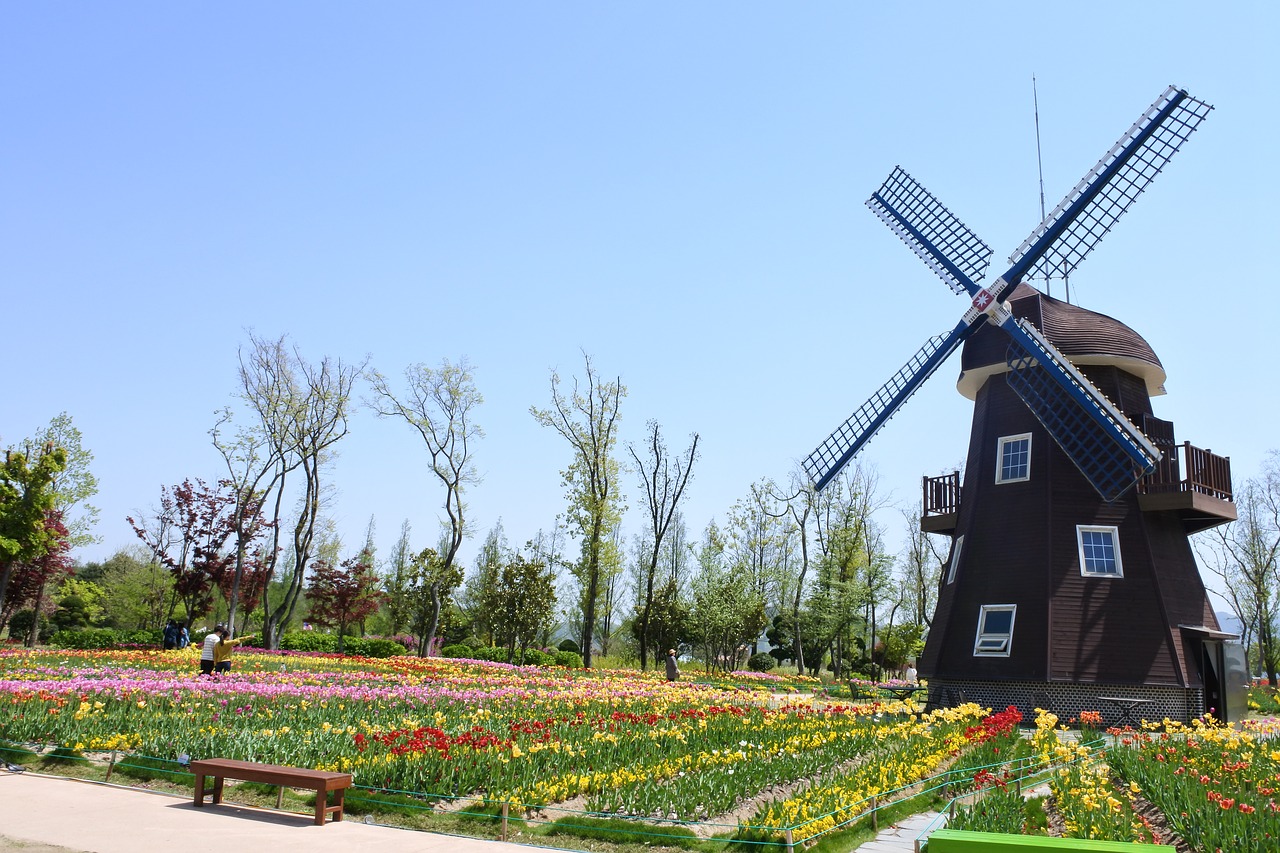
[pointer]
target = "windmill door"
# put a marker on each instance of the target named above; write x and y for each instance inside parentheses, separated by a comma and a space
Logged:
(1225, 673)
(1211, 677)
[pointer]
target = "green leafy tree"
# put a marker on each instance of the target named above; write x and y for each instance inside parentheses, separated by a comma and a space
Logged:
(481, 581)
(432, 581)
(671, 624)
(136, 590)
(728, 610)
(76, 484)
(588, 417)
(521, 602)
(397, 601)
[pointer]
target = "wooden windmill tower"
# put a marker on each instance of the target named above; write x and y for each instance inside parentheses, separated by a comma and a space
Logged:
(1070, 576)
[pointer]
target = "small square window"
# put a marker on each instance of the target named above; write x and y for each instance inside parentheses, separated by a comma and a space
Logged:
(1099, 551)
(995, 630)
(1013, 458)
(955, 560)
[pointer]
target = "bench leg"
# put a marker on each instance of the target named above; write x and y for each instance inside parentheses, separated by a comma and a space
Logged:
(199, 790)
(217, 789)
(338, 797)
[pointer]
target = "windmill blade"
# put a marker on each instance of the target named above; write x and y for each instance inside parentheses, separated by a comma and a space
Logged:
(1058, 245)
(1109, 450)
(842, 445)
(941, 240)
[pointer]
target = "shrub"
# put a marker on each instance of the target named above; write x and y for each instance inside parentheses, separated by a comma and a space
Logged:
(569, 659)
(308, 641)
(567, 645)
(761, 662)
(457, 650)
(372, 647)
(104, 638)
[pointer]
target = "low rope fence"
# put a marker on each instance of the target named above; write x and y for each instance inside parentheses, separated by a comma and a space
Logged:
(504, 812)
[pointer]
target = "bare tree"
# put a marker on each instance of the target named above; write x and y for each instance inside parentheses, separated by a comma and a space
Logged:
(300, 412)
(921, 571)
(663, 478)
(439, 404)
(1246, 556)
(588, 420)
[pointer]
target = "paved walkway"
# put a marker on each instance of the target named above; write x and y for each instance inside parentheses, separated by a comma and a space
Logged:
(901, 837)
(43, 813)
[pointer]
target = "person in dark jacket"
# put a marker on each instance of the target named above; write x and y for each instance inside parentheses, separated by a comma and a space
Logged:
(673, 670)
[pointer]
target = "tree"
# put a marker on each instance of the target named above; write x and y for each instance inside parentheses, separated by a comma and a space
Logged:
(670, 622)
(341, 596)
(136, 589)
(396, 583)
(32, 578)
(300, 412)
(921, 571)
(728, 611)
(75, 485)
(521, 603)
(663, 478)
(800, 506)
(188, 534)
(480, 584)
(760, 546)
(1245, 554)
(588, 419)
(431, 581)
(26, 496)
(439, 404)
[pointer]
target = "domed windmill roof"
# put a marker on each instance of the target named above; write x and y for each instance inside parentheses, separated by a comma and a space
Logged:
(1084, 336)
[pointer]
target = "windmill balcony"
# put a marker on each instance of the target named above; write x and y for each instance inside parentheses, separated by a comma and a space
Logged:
(1194, 483)
(941, 503)
(1189, 481)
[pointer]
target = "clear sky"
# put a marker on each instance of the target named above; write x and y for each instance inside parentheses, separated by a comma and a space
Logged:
(674, 188)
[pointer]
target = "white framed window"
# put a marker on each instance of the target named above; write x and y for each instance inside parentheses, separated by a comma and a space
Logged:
(1013, 458)
(955, 560)
(1099, 551)
(995, 630)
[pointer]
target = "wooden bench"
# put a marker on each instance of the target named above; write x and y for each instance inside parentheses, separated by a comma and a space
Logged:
(320, 781)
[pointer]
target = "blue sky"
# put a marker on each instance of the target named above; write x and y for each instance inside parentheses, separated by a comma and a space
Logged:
(676, 189)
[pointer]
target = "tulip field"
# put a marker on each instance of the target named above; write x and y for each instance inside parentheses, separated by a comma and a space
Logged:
(750, 759)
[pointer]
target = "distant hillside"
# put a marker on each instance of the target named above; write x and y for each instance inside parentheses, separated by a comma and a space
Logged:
(1229, 622)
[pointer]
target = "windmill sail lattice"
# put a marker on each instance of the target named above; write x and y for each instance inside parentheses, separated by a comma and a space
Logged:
(842, 445)
(942, 241)
(1110, 451)
(1057, 246)
(1104, 445)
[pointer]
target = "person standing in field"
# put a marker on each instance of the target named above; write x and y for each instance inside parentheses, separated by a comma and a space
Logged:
(673, 669)
(206, 651)
(222, 651)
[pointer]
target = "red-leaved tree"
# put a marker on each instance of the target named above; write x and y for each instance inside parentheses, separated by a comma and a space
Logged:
(343, 595)
(189, 535)
(30, 580)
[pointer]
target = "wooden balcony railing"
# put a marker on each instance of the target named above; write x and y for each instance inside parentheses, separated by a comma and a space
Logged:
(941, 494)
(1188, 469)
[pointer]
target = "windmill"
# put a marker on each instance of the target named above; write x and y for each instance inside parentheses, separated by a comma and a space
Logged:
(1064, 583)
